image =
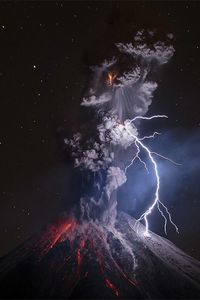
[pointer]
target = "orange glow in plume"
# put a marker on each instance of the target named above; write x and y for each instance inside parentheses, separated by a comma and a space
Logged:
(111, 78)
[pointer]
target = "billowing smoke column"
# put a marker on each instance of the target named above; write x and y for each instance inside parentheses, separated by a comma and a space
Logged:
(121, 98)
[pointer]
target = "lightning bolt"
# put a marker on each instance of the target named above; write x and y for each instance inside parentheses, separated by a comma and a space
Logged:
(138, 142)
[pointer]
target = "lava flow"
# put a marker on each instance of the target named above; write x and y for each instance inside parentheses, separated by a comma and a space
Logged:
(88, 243)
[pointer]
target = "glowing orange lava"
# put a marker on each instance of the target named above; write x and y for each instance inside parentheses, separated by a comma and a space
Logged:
(112, 287)
(111, 77)
(64, 229)
(88, 240)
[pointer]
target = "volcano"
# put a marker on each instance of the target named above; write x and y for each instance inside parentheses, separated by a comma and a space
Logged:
(72, 260)
(103, 253)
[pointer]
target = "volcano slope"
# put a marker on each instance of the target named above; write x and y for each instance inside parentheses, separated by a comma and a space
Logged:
(71, 260)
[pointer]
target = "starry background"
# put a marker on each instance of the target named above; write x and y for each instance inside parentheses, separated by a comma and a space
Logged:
(45, 51)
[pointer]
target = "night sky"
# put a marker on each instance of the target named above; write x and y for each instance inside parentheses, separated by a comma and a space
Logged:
(46, 48)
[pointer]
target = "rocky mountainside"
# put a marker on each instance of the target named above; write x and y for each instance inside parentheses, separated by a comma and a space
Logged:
(69, 260)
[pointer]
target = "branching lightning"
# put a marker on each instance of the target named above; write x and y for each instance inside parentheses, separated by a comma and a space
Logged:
(156, 201)
(119, 96)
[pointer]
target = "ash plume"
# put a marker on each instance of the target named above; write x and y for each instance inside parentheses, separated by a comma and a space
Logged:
(101, 248)
(121, 89)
